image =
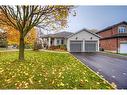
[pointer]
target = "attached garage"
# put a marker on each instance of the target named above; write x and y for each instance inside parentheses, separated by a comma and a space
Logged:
(76, 46)
(123, 47)
(83, 41)
(90, 46)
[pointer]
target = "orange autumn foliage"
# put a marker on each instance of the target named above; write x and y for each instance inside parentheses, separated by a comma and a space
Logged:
(13, 36)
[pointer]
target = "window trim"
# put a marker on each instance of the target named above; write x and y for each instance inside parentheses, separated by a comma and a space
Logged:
(58, 41)
(62, 41)
(122, 29)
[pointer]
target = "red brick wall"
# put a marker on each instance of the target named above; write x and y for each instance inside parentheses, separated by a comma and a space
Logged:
(115, 30)
(106, 33)
(109, 32)
(109, 44)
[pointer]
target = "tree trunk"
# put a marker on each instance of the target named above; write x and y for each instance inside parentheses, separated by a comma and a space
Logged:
(21, 47)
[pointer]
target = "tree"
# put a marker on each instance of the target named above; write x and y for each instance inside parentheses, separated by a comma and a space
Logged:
(3, 39)
(24, 18)
(13, 35)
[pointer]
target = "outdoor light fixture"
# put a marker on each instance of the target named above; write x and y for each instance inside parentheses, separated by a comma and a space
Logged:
(76, 38)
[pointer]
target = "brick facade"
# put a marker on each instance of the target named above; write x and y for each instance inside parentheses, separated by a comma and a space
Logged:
(109, 44)
(112, 44)
(108, 41)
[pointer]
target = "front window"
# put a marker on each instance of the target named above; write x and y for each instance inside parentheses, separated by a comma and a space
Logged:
(62, 41)
(122, 29)
(58, 41)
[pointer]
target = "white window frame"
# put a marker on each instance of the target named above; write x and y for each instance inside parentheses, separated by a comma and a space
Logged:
(59, 41)
(122, 29)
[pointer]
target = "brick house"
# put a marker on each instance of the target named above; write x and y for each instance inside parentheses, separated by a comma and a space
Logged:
(114, 38)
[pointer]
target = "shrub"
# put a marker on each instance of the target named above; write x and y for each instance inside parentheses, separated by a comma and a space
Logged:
(63, 47)
(3, 44)
(28, 46)
(58, 47)
(53, 47)
(101, 49)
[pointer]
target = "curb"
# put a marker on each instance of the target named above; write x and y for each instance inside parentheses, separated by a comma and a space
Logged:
(113, 54)
(92, 70)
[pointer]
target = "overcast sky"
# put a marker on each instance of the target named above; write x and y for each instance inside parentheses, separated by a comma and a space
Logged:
(96, 17)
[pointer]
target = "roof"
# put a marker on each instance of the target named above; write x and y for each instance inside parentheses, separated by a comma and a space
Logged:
(93, 30)
(121, 35)
(109, 27)
(86, 31)
(58, 35)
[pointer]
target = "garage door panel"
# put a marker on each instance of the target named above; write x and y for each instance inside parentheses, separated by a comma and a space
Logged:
(76, 46)
(90, 46)
(123, 48)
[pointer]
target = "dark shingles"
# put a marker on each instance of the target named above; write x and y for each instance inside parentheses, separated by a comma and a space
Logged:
(59, 34)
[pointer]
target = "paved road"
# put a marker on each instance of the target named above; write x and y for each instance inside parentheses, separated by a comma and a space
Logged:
(112, 68)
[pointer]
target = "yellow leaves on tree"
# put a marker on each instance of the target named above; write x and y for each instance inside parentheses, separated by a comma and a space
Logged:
(30, 37)
(12, 36)
(61, 14)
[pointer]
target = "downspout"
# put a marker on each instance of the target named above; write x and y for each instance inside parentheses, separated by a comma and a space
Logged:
(117, 46)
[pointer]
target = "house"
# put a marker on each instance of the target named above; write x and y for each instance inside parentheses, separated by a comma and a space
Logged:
(56, 39)
(114, 38)
(83, 41)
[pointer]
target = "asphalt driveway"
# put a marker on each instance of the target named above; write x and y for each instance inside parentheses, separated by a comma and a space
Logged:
(112, 68)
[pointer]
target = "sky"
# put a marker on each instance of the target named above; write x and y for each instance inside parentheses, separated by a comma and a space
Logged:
(96, 17)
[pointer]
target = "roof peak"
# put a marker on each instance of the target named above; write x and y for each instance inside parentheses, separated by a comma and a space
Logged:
(85, 29)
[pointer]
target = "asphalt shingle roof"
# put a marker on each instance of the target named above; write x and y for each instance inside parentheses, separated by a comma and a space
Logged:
(59, 34)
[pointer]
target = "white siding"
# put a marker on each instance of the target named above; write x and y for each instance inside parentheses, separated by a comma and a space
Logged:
(55, 41)
(82, 36)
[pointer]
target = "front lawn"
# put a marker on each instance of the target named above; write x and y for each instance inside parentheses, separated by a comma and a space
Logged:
(46, 70)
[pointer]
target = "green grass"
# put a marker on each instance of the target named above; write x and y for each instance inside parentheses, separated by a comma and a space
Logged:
(117, 53)
(2, 49)
(124, 54)
(46, 70)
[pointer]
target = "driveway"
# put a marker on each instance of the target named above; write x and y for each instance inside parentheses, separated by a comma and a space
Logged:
(113, 68)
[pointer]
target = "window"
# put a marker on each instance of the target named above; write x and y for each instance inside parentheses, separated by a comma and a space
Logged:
(62, 41)
(122, 29)
(58, 42)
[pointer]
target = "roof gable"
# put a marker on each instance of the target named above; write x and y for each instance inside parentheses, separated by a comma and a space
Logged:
(86, 31)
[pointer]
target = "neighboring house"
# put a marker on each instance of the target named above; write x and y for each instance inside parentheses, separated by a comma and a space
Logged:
(83, 41)
(56, 39)
(114, 38)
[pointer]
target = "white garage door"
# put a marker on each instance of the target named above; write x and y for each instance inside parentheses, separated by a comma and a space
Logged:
(90, 46)
(76, 46)
(123, 48)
